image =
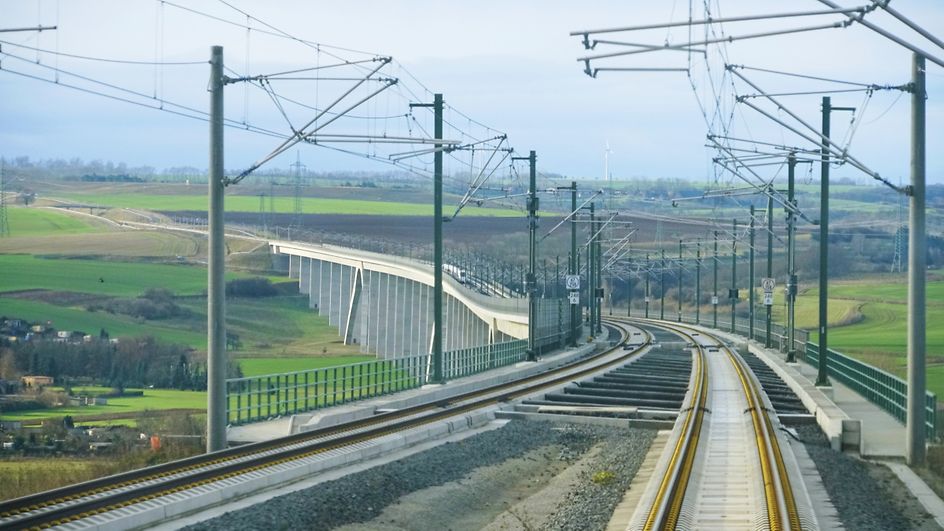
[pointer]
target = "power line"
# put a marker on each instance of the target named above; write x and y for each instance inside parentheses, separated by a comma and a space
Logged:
(146, 101)
(284, 104)
(104, 59)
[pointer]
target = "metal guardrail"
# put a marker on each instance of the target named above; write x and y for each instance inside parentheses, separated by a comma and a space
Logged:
(553, 327)
(255, 398)
(473, 360)
(883, 389)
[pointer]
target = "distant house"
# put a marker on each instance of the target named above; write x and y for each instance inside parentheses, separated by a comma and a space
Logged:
(8, 387)
(36, 381)
(78, 401)
(12, 329)
(10, 425)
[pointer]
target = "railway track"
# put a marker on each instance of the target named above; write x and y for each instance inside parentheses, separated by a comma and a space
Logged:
(724, 466)
(68, 505)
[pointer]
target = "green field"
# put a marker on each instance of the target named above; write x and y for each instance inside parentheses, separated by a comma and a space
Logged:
(300, 332)
(117, 326)
(236, 203)
(100, 277)
(289, 329)
(888, 291)
(807, 311)
(129, 243)
(262, 366)
(153, 400)
(879, 335)
(43, 222)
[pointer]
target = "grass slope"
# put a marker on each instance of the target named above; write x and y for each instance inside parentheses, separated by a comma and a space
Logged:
(32, 222)
(879, 335)
(85, 276)
(131, 243)
(118, 326)
(289, 329)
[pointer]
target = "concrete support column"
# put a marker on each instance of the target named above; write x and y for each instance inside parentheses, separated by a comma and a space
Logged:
(364, 318)
(332, 307)
(352, 323)
(344, 296)
(376, 312)
(415, 343)
(388, 333)
(426, 320)
(396, 317)
(324, 288)
(304, 268)
(314, 283)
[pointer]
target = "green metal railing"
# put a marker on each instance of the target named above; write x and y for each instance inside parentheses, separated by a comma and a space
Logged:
(256, 398)
(553, 328)
(261, 397)
(885, 390)
(473, 360)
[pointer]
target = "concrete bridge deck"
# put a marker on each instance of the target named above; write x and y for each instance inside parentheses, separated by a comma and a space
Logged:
(384, 303)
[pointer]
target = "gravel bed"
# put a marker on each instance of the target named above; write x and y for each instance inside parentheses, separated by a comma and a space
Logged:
(362, 497)
(602, 484)
(868, 496)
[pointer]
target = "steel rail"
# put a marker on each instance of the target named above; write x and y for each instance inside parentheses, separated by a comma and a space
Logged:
(781, 509)
(762, 440)
(666, 507)
(785, 492)
(213, 467)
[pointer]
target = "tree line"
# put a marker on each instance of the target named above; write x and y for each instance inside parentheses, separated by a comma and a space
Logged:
(137, 362)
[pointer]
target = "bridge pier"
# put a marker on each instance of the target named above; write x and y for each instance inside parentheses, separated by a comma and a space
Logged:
(304, 276)
(314, 283)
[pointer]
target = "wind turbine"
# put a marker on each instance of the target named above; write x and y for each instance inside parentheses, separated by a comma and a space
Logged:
(606, 161)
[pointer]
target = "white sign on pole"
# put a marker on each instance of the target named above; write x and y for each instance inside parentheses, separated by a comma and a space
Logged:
(714, 300)
(768, 284)
(768, 299)
(647, 300)
(573, 281)
(574, 297)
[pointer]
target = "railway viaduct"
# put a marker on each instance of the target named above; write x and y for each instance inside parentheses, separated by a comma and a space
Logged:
(383, 303)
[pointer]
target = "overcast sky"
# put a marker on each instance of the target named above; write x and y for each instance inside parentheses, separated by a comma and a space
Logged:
(508, 64)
